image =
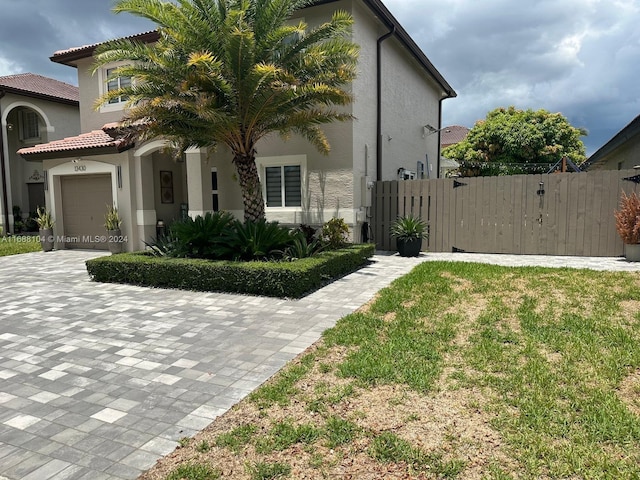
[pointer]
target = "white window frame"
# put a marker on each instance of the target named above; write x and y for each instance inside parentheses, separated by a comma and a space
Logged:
(103, 77)
(283, 161)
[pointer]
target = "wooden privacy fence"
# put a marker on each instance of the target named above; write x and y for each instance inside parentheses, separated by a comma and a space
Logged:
(555, 214)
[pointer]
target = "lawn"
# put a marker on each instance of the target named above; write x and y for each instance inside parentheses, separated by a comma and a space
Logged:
(456, 370)
(19, 244)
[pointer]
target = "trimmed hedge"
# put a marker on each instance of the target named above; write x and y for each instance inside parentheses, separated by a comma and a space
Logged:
(273, 279)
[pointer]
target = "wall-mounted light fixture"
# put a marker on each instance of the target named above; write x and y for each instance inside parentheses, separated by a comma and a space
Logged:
(430, 130)
(119, 176)
(9, 127)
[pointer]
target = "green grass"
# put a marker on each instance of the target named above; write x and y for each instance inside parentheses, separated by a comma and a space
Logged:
(282, 388)
(285, 434)
(268, 471)
(545, 351)
(194, 471)
(15, 245)
(237, 438)
(388, 447)
(550, 345)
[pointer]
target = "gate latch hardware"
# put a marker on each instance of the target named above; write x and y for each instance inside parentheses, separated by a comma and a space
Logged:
(541, 190)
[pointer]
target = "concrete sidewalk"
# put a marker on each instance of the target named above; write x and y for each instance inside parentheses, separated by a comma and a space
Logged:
(97, 381)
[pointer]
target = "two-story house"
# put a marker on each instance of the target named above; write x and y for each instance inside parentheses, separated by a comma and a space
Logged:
(398, 97)
(33, 109)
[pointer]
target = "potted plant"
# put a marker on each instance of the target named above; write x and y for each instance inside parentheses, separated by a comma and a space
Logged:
(114, 234)
(409, 232)
(45, 225)
(628, 225)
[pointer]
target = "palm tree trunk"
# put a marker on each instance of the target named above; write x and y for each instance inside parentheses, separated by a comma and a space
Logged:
(250, 187)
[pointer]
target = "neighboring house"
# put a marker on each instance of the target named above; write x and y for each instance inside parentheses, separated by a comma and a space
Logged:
(398, 93)
(622, 152)
(450, 136)
(33, 109)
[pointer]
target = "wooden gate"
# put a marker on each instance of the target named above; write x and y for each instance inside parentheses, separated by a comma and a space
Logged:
(555, 214)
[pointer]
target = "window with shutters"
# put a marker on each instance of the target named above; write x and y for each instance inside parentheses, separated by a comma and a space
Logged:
(282, 180)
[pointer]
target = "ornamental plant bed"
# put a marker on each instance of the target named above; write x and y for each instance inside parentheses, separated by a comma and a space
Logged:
(287, 279)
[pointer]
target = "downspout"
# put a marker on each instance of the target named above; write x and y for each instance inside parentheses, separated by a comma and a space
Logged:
(439, 135)
(379, 102)
(3, 172)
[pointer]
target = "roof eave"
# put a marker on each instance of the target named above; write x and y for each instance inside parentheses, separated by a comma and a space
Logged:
(628, 132)
(51, 155)
(70, 57)
(40, 96)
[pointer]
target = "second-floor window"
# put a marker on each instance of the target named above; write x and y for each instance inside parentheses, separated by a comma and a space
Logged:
(115, 83)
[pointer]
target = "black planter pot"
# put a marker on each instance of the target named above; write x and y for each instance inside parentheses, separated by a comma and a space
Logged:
(409, 247)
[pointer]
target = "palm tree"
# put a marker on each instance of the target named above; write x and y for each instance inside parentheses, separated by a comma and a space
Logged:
(231, 72)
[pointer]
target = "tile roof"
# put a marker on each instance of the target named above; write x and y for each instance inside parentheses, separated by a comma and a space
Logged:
(97, 139)
(36, 85)
(453, 134)
(70, 55)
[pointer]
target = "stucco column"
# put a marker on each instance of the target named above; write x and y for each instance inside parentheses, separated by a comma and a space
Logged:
(198, 182)
(145, 201)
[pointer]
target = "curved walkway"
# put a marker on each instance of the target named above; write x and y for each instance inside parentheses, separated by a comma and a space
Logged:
(97, 381)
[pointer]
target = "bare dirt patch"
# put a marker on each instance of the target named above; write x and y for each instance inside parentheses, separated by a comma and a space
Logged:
(629, 391)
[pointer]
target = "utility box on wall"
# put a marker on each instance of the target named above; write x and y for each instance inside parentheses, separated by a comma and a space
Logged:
(366, 188)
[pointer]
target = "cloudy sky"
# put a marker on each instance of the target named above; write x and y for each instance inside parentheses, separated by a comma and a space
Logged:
(577, 57)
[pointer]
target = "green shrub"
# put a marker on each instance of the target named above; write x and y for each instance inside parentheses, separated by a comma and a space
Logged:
(275, 279)
(301, 247)
(257, 240)
(163, 246)
(218, 236)
(202, 237)
(335, 233)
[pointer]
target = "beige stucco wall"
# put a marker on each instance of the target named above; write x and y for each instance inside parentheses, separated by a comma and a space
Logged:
(90, 84)
(624, 157)
(410, 101)
(56, 121)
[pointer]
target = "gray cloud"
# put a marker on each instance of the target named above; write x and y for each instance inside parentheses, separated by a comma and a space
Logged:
(578, 57)
(32, 31)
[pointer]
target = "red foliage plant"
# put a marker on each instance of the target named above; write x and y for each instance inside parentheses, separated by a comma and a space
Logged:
(628, 218)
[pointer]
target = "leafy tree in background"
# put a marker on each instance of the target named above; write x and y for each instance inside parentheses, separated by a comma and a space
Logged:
(231, 72)
(511, 141)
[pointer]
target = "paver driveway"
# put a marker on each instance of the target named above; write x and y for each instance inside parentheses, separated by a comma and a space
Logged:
(97, 381)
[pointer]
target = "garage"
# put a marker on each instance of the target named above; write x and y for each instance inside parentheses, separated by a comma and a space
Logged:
(84, 204)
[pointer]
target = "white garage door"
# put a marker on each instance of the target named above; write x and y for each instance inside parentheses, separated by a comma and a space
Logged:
(84, 204)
